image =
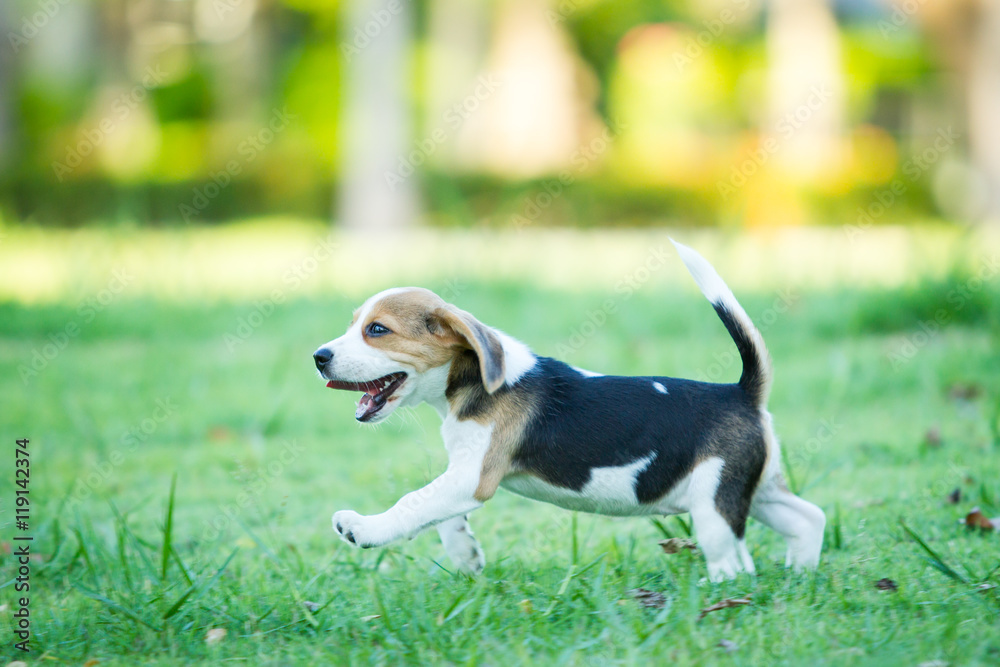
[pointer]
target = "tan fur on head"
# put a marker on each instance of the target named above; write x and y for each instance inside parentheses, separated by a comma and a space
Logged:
(428, 332)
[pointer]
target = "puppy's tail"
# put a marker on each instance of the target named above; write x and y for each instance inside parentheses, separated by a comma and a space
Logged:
(756, 377)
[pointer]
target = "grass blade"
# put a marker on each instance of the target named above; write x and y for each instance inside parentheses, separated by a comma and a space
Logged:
(176, 606)
(562, 589)
(838, 532)
(136, 542)
(933, 556)
(991, 573)
(787, 468)
(575, 543)
(93, 595)
(660, 527)
(571, 574)
(281, 570)
(168, 530)
(184, 570)
(218, 574)
(82, 551)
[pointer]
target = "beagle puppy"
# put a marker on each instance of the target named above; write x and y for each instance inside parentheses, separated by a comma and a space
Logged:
(620, 446)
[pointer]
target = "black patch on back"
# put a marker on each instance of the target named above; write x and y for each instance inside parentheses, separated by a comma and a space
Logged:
(592, 422)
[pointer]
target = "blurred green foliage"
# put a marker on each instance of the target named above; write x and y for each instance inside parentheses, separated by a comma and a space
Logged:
(170, 143)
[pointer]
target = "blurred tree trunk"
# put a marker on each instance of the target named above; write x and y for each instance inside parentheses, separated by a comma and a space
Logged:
(457, 40)
(378, 189)
(806, 86)
(984, 102)
(532, 105)
(6, 90)
(967, 36)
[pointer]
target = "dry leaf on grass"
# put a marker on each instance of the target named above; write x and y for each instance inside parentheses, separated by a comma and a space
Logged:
(965, 392)
(92, 662)
(724, 604)
(727, 646)
(215, 635)
(976, 519)
(648, 598)
(886, 585)
(525, 606)
(677, 544)
(219, 434)
(365, 619)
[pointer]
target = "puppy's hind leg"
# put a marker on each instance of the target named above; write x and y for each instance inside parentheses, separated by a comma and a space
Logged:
(800, 522)
(725, 552)
(719, 543)
(461, 545)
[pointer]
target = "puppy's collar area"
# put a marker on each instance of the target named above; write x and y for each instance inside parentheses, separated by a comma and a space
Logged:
(376, 393)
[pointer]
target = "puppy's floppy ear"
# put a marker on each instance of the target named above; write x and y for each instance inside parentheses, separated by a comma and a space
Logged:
(473, 334)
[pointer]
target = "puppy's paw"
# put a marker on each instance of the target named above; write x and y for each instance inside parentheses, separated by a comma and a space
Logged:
(470, 562)
(462, 548)
(354, 529)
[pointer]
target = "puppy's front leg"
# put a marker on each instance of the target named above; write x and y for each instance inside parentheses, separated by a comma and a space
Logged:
(450, 495)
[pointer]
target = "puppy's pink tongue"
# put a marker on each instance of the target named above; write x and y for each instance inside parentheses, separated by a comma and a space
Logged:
(365, 405)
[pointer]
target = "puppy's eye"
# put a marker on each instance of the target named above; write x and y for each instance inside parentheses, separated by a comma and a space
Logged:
(375, 329)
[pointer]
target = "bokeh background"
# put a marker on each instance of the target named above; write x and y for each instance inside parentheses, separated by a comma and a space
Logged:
(504, 113)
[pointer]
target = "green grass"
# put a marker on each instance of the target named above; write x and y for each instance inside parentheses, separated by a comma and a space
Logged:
(179, 485)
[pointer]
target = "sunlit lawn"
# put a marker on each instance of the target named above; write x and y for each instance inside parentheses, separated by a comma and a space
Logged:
(881, 413)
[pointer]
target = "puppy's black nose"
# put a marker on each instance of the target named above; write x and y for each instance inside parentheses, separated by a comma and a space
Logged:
(322, 357)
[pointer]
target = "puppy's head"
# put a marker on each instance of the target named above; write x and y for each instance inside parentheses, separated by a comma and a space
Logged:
(398, 348)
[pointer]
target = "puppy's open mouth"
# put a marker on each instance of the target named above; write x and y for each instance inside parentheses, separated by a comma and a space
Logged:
(377, 393)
